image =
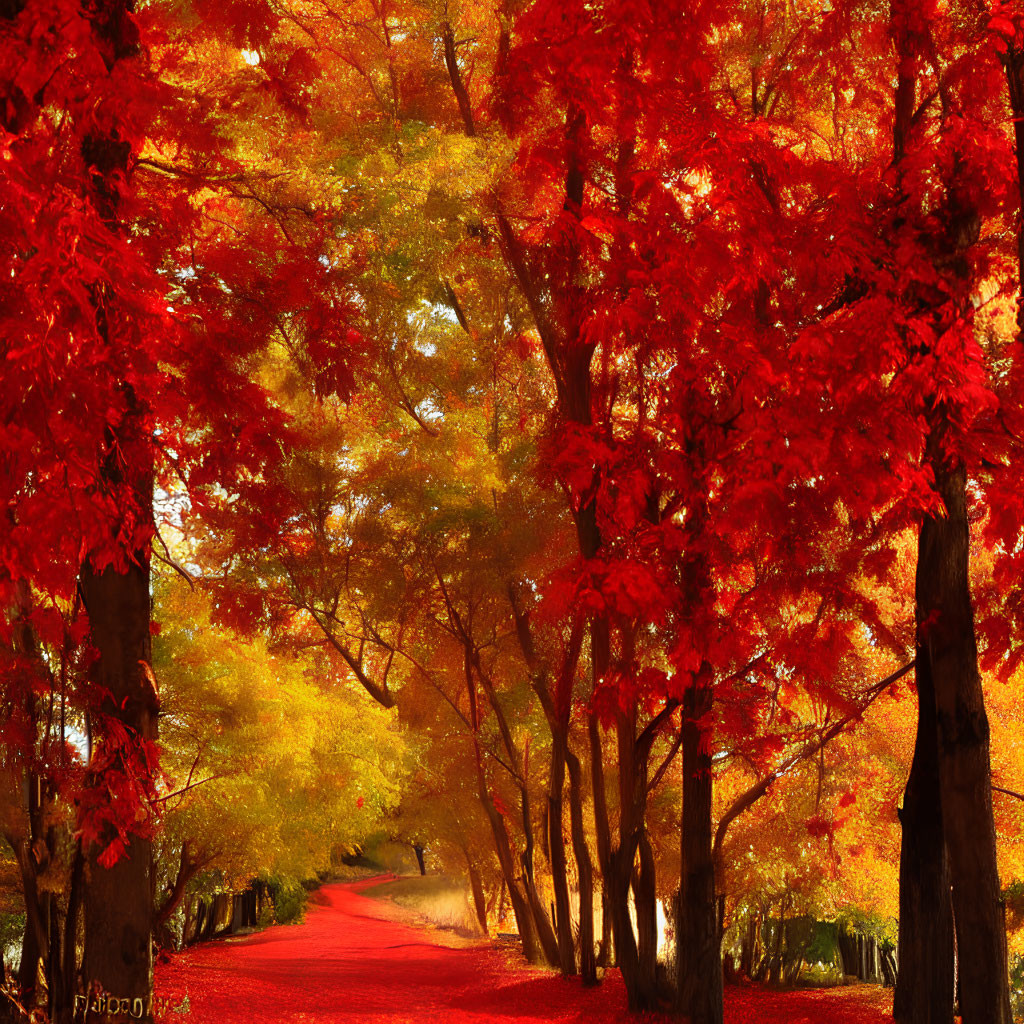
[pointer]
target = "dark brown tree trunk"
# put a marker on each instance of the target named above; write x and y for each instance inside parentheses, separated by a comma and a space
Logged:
(698, 945)
(542, 928)
(502, 894)
(200, 921)
(775, 975)
(1013, 62)
(420, 862)
(32, 939)
(69, 966)
(54, 976)
(748, 950)
(559, 859)
(477, 888)
(947, 643)
(645, 899)
(584, 869)
(947, 653)
(119, 898)
(924, 986)
(521, 909)
(889, 972)
(606, 955)
(34, 946)
(213, 908)
(632, 787)
(28, 969)
(847, 953)
(186, 870)
(600, 645)
(525, 905)
(542, 923)
(617, 881)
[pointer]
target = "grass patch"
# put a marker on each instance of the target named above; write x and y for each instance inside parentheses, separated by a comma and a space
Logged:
(438, 900)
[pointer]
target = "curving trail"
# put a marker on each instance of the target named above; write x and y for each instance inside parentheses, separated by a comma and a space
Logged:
(347, 963)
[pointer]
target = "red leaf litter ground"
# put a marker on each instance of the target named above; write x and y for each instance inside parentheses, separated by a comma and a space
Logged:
(348, 963)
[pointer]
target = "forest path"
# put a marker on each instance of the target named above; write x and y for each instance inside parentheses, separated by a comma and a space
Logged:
(349, 963)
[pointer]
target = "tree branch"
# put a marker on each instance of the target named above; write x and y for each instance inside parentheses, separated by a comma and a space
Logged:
(747, 799)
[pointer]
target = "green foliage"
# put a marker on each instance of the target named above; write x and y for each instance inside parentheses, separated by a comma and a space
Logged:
(823, 944)
(1013, 895)
(12, 927)
(883, 929)
(821, 975)
(289, 900)
(1017, 987)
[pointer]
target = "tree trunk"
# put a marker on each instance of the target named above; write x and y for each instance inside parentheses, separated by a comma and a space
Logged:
(1013, 63)
(34, 946)
(947, 653)
(889, 972)
(542, 923)
(606, 956)
(847, 953)
(118, 898)
(698, 946)
(422, 864)
(600, 657)
(479, 901)
(200, 922)
(645, 898)
(28, 969)
(558, 857)
(748, 950)
(186, 870)
(617, 880)
(237, 913)
(775, 975)
(924, 986)
(947, 643)
(54, 973)
(520, 906)
(632, 789)
(584, 869)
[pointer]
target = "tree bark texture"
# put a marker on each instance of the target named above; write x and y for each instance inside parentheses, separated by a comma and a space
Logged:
(645, 899)
(698, 947)
(479, 900)
(584, 868)
(947, 645)
(559, 859)
(119, 899)
(924, 986)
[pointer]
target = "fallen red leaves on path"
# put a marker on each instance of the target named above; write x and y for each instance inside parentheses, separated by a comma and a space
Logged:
(346, 963)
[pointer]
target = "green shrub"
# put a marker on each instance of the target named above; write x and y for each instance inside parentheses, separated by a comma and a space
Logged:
(1017, 987)
(12, 927)
(289, 902)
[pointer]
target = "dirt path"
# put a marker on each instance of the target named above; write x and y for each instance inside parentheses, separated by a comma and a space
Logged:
(347, 963)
